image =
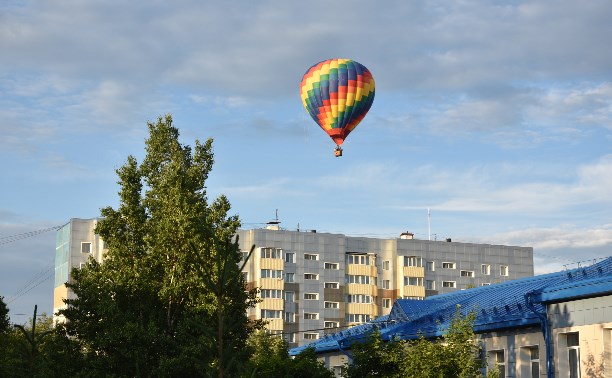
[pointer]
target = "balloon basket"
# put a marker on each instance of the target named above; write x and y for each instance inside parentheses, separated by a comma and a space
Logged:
(338, 152)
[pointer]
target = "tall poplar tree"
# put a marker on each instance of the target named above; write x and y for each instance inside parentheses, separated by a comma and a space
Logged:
(169, 299)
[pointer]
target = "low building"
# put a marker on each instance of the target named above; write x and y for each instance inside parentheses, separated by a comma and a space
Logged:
(554, 325)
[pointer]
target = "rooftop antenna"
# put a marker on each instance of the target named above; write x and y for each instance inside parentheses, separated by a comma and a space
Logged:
(273, 224)
(429, 222)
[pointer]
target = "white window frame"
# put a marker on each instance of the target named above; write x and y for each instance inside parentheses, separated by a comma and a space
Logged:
(90, 247)
(450, 265)
(311, 336)
(311, 276)
(311, 296)
(331, 305)
(386, 265)
(386, 284)
(289, 296)
(494, 361)
(413, 261)
(289, 277)
(330, 324)
(311, 315)
(290, 257)
(332, 266)
(413, 281)
(467, 273)
(430, 285)
(430, 266)
(311, 256)
(452, 286)
(386, 302)
(504, 270)
(332, 285)
(289, 317)
(271, 253)
(485, 269)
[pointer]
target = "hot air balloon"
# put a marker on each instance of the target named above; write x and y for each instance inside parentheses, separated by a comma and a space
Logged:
(337, 93)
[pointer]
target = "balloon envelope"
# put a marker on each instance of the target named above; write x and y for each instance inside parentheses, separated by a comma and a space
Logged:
(337, 93)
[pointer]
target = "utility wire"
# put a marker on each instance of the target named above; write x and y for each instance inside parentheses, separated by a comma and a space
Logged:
(25, 235)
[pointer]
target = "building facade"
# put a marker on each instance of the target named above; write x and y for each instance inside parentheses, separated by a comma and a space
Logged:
(312, 284)
(554, 325)
(75, 243)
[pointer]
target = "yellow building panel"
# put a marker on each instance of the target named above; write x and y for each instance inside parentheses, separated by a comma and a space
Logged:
(274, 324)
(362, 308)
(413, 271)
(272, 283)
(361, 289)
(59, 294)
(414, 291)
(272, 304)
(362, 270)
(276, 264)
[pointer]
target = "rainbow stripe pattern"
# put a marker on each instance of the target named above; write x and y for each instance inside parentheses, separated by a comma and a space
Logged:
(337, 93)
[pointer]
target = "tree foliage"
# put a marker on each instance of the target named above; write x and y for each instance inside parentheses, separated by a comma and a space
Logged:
(454, 355)
(169, 299)
(270, 358)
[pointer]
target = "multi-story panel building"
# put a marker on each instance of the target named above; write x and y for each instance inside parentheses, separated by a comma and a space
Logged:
(316, 283)
(326, 282)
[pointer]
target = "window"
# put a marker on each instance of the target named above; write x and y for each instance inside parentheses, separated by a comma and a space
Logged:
(573, 350)
(332, 324)
(430, 284)
(414, 298)
(358, 279)
(413, 261)
(332, 285)
(289, 277)
(289, 257)
(530, 362)
(271, 293)
(289, 296)
(85, 247)
(311, 296)
(331, 266)
(386, 265)
(271, 273)
(358, 259)
(449, 284)
(289, 317)
(311, 336)
(82, 265)
(467, 273)
(271, 253)
(244, 255)
(485, 269)
(430, 266)
(386, 284)
(311, 276)
(289, 337)
(332, 305)
(448, 265)
(386, 302)
(413, 281)
(503, 270)
(498, 360)
(357, 318)
(310, 256)
(311, 315)
(485, 284)
(271, 314)
(359, 298)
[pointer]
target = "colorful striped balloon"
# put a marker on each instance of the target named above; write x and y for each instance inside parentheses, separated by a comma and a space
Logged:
(337, 93)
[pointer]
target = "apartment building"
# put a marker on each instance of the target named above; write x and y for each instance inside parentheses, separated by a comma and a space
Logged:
(314, 283)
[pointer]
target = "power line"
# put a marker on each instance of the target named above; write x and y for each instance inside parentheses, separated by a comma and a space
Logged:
(25, 235)
(40, 282)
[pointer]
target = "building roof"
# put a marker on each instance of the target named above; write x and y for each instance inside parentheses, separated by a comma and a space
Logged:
(505, 305)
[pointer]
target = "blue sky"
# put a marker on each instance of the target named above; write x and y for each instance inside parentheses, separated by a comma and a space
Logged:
(496, 115)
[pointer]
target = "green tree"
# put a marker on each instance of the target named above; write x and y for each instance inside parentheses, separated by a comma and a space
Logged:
(270, 358)
(169, 299)
(4, 318)
(376, 358)
(454, 355)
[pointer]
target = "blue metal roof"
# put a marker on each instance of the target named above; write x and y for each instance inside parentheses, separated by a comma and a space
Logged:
(497, 306)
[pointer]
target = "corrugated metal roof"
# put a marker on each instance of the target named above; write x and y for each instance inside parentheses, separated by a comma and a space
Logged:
(497, 306)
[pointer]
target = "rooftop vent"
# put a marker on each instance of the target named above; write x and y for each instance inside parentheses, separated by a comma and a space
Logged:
(448, 240)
